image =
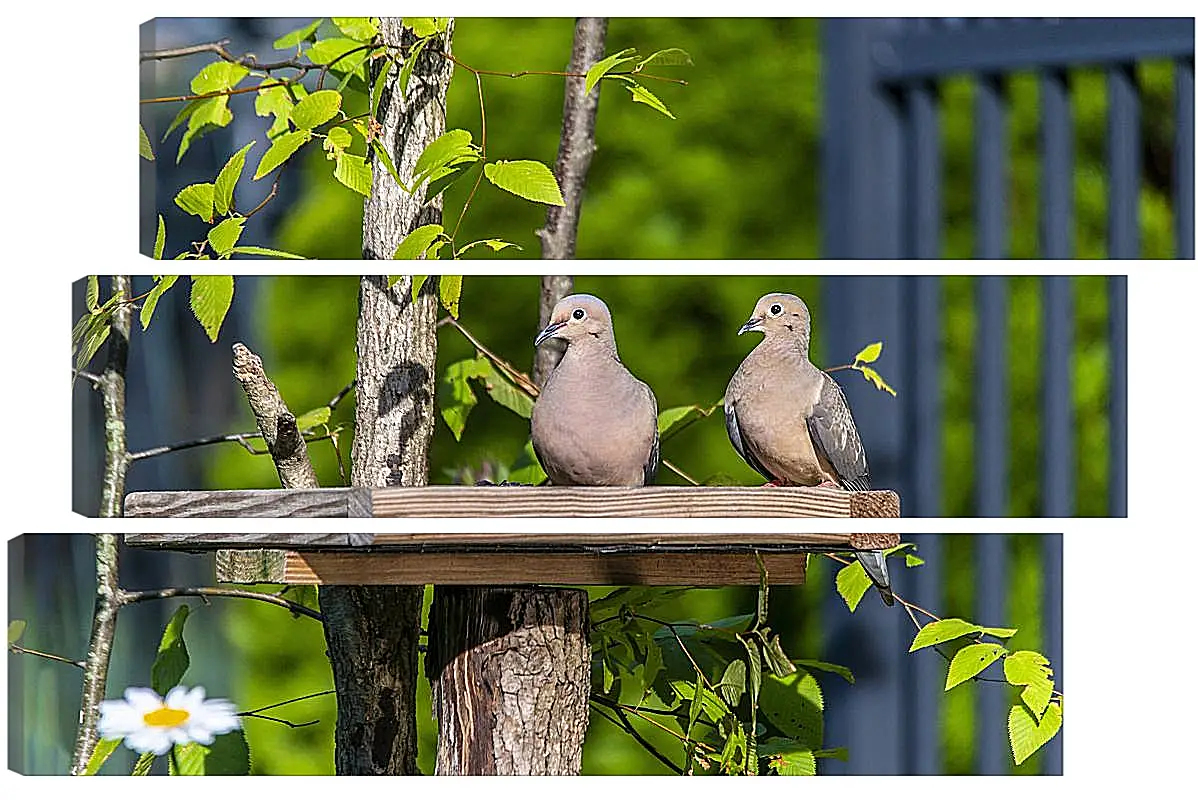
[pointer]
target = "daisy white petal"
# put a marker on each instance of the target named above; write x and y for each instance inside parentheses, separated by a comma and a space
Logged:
(149, 740)
(142, 700)
(176, 697)
(118, 719)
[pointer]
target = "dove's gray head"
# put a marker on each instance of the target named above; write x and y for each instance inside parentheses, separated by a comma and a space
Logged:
(781, 317)
(580, 319)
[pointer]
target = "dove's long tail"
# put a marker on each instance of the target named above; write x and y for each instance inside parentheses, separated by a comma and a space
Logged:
(874, 563)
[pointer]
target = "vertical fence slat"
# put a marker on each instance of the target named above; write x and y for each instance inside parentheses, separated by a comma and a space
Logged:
(1056, 413)
(992, 587)
(1117, 411)
(1056, 166)
(1054, 635)
(989, 142)
(990, 396)
(1123, 162)
(926, 447)
(1183, 157)
(924, 681)
(922, 129)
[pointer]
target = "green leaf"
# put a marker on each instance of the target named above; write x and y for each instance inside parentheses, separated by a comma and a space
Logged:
(405, 70)
(455, 397)
(252, 250)
(795, 706)
(416, 242)
(788, 757)
(673, 418)
(211, 296)
(838, 753)
(104, 748)
(941, 631)
(780, 663)
(208, 115)
(670, 57)
(183, 116)
(316, 109)
(198, 199)
(527, 469)
(172, 659)
(1027, 734)
(292, 39)
(381, 152)
(16, 629)
(218, 77)
(310, 419)
(143, 144)
(353, 171)
(825, 666)
(970, 660)
(90, 332)
(601, 68)
(163, 283)
(1001, 633)
(450, 290)
(274, 101)
(333, 52)
(337, 139)
(852, 583)
(160, 238)
(912, 560)
(144, 763)
(531, 180)
(871, 374)
(506, 394)
(425, 26)
(452, 148)
(225, 235)
(868, 354)
(732, 684)
(229, 174)
(642, 95)
(280, 150)
(361, 29)
(417, 282)
(229, 754)
(1030, 669)
(494, 244)
(92, 296)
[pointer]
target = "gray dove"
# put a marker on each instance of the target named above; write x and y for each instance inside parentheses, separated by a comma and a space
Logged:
(789, 419)
(594, 424)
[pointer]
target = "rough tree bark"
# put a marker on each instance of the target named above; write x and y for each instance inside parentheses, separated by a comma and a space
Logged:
(510, 667)
(112, 389)
(372, 631)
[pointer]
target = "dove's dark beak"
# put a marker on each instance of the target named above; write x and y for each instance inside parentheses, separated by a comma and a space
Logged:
(752, 325)
(549, 332)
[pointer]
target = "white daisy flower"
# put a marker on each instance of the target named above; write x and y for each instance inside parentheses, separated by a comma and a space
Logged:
(151, 724)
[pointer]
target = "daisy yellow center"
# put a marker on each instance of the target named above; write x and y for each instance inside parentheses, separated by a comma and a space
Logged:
(166, 717)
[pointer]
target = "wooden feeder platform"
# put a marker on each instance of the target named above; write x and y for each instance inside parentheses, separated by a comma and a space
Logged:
(492, 557)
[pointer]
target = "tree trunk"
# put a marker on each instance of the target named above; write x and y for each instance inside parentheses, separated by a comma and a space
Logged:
(372, 632)
(510, 670)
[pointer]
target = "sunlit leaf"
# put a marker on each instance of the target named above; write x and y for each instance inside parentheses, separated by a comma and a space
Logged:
(826, 666)
(971, 660)
(417, 242)
(217, 77)
(869, 353)
(143, 144)
(941, 631)
(642, 95)
(163, 283)
(292, 39)
(1027, 734)
(104, 748)
(211, 297)
(531, 180)
(455, 397)
(160, 238)
(316, 109)
(606, 65)
(353, 171)
(310, 419)
(450, 291)
(224, 235)
(505, 393)
(198, 199)
(452, 148)
(361, 29)
(852, 583)
(670, 57)
(280, 150)
(252, 250)
(16, 629)
(1030, 669)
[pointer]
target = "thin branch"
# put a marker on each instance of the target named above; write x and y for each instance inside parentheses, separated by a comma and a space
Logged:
(16, 648)
(289, 702)
(552, 73)
(251, 61)
(218, 591)
(665, 462)
(519, 378)
(274, 191)
(332, 404)
(240, 438)
(90, 377)
(482, 111)
(219, 93)
(288, 723)
(624, 723)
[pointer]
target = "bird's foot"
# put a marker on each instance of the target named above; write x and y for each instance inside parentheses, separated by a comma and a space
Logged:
(828, 485)
(770, 483)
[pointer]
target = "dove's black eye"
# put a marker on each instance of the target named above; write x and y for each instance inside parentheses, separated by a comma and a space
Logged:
(579, 314)
(775, 309)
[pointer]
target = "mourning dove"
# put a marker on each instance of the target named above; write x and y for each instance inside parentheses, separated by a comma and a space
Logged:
(594, 424)
(789, 420)
(786, 417)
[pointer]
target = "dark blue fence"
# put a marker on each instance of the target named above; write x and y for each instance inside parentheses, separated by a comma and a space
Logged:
(880, 168)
